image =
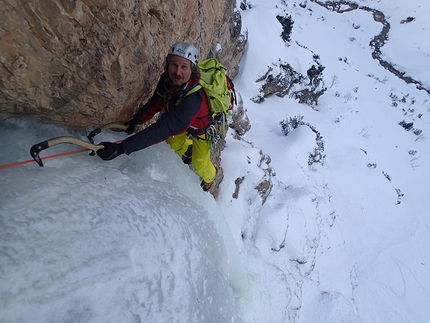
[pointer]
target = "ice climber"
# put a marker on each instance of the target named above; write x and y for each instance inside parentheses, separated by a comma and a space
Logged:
(183, 120)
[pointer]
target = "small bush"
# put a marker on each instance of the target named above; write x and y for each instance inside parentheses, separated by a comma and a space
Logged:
(287, 27)
(244, 5)
(291, 123)
(406, 125)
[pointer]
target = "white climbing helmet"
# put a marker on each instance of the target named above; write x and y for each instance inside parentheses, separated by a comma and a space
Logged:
(186, 51)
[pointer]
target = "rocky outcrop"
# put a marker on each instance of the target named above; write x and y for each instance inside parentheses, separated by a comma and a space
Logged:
(240, 122)
(281, 79)
(90, 62)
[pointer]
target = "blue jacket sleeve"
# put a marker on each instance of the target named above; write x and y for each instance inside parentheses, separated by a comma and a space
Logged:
(173, 122)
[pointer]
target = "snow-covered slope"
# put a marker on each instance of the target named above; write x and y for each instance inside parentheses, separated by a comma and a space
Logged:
(340, 239)
(346, 236)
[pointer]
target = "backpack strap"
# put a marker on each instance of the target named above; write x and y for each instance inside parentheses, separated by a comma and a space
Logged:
(193, 89)
(230, 86)
(187, 92)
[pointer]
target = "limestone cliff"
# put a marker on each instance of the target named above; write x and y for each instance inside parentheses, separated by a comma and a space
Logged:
(90, 62)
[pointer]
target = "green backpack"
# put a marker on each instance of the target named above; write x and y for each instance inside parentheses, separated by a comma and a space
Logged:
(220, 92)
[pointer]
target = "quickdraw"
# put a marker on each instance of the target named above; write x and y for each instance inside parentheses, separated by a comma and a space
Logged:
(213, 136)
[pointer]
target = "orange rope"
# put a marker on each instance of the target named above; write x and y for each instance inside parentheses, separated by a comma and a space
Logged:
(48, 157)
(43, 158)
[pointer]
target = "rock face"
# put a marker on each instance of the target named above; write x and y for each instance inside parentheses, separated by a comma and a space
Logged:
(85, 63)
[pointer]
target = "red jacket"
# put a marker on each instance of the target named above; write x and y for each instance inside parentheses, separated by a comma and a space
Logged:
(179, 113)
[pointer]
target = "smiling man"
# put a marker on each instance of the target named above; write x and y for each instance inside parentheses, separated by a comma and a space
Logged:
(183, 120)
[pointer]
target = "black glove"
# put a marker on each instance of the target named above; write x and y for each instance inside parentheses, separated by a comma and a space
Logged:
(110, 151)
(131, 125)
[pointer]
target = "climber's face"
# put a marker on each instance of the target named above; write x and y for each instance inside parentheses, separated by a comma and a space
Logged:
(179, 70)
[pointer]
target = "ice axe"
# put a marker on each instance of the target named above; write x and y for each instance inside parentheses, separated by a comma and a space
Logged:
(37, 148)
(95, 132)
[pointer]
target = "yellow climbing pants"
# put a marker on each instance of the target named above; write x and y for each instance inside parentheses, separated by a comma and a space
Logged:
(201, 157)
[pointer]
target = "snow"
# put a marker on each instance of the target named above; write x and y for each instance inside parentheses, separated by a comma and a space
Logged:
(345, 240)
(406, 47)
